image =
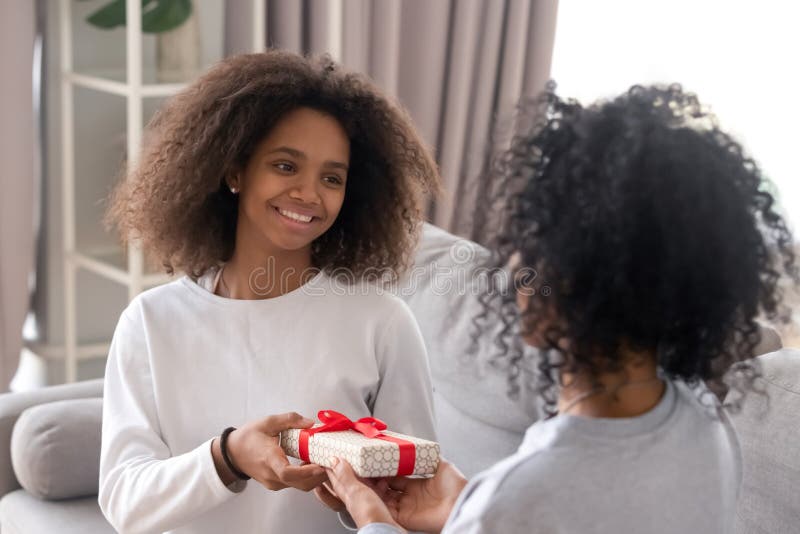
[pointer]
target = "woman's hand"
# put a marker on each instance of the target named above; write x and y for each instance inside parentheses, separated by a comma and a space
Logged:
(424, 504)
(363, 498)
(255, 450)
(421, 504)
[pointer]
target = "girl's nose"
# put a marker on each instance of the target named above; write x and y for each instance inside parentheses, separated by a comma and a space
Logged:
(305, 191)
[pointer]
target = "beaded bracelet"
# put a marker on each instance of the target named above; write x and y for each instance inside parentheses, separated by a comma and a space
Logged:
(223, 447)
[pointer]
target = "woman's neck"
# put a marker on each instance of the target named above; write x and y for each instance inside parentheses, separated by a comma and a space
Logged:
(632, 391)
(253, 273)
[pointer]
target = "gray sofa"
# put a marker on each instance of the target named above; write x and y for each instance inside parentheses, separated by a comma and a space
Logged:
(33, 512)
(769, 432)
(55, 442)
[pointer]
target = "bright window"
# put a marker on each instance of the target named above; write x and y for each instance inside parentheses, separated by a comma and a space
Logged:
(740, 57)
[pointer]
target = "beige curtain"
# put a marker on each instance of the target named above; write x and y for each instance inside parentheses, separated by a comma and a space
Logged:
(17, 30)
(457, 65)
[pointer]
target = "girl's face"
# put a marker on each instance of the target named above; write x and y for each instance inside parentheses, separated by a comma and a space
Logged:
(293, 187)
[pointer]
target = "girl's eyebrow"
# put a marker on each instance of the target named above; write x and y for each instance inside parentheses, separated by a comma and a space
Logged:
(291, 151)
(336, 165)
(301, 155)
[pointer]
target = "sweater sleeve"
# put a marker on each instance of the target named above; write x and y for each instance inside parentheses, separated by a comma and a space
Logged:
(143, 487)
(405, 397)
(379, 528)
(505, 499)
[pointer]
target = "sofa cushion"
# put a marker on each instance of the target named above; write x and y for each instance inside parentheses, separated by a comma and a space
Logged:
(22, 513)
(770, 439)
(55, 448)
(13, 404)
(477, 423)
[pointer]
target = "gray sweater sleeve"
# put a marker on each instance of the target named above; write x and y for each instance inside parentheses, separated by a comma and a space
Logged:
(486, 506)
(380, 528)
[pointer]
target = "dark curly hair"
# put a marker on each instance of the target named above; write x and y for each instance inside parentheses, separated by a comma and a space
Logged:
(176, 201)
(641, 225)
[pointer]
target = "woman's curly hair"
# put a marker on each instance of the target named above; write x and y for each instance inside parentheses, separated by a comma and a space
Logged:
(176, 202)
(642, 225)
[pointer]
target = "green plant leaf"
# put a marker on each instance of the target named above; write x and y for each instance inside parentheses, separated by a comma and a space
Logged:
(108, 16)
(166, 15)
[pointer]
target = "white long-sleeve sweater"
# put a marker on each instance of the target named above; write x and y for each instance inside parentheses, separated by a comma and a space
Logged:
(185, 364)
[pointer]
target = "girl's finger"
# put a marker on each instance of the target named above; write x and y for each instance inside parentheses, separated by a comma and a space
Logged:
(276, 460)
(302, 476)
(275, 424)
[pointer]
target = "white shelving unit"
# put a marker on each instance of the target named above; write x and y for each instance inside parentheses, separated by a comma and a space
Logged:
(128, 270)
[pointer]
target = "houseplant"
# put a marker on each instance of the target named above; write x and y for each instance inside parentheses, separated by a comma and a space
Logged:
(175, 24)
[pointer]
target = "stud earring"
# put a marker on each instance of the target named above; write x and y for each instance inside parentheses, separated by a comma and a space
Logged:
(234, 190)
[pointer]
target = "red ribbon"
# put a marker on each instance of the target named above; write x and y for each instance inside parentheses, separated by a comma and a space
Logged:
(369, 426)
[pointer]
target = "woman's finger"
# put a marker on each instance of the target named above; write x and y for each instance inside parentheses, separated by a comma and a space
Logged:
(364, 505)
(329, 489)
(343, 479)
(381, 487)
(326, 496)
(398, 483)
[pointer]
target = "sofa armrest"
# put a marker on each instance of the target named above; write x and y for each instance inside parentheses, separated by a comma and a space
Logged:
(13, 404)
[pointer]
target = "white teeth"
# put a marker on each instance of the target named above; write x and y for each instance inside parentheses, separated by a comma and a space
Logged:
(295, 216)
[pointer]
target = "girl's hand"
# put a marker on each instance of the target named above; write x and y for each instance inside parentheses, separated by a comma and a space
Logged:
(363, 498)
(255, 450)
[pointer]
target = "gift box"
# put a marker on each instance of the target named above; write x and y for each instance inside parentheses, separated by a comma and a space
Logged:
(366, 444)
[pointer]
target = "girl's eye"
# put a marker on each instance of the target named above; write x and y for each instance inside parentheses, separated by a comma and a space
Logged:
(284, 167)
(334, 180)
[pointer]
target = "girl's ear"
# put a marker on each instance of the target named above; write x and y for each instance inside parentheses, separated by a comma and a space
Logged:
(234, 183)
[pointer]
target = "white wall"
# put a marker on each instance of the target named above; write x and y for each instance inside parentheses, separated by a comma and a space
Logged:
(740, 56)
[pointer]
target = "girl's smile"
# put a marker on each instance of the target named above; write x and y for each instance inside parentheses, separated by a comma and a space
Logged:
(296, 218)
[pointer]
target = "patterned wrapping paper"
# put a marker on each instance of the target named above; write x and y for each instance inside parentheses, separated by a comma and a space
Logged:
(370, 457)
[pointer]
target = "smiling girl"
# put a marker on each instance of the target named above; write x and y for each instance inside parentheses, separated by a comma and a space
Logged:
(261, 181)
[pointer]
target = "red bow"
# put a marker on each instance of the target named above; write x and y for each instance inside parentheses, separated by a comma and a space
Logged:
(335, 422)
(371, 427)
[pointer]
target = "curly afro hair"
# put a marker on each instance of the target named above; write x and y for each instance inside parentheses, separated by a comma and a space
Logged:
(643, 226)
(176, 203)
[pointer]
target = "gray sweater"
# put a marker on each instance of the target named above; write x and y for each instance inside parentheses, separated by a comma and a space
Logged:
(675, 469)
